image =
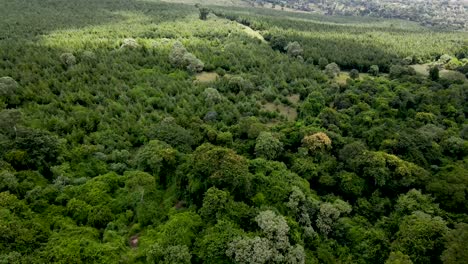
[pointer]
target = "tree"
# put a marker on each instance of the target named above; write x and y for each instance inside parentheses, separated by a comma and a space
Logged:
(68, 59)
(194, 65)
(129, 43)
(268, 146)
(434, 73)
(398, 71)
(273, 248)
(212, 96)
(237, 84)
(332, 70)
(173, 134)
(374, 70)
(180, 230)
(317, 142)
(398, 258)
(212, 245)
(413, 201)
(10, 90)
(277, 42)
(294, 49)
(138, 186)
(214, 203)
(204, 12)
(322, 63)
(181, 58)
(329, 214)
(155, 157)
(219, 167)
(168, 255)
(455, 245)
(354, 74)
(421, 237)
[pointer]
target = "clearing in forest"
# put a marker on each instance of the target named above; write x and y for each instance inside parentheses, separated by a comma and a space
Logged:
(205, 77)
(289, 112)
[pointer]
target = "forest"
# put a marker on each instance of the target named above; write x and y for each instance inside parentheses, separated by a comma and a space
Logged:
(145, 131)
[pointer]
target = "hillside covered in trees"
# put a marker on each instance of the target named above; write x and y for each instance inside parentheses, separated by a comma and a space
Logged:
(139, 131)
(452, 14)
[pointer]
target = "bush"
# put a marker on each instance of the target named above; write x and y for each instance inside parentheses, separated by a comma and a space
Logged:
(294, 49)
(374, 70)
(9, 89)
(129, 43)
(181, 58)
(68, 59)
(332, 70)
(354, 74)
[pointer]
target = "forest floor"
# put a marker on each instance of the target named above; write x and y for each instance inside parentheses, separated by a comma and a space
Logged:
(289, 112)
(344, 75)
(205, 77)
(423, 69)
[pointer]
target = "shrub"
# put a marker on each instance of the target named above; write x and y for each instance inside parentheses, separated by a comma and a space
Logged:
(332, 70)
(68, 59)
(129, 43)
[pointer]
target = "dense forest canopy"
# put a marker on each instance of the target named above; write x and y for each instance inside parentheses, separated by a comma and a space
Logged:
(139, 131)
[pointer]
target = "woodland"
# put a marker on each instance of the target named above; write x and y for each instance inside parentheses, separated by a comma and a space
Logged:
(139, 131)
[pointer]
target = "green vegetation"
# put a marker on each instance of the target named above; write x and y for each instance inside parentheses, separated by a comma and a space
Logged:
(440, 14)
(151, 132)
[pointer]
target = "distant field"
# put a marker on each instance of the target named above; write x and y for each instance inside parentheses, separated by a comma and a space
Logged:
(352, 42)
(210, 2)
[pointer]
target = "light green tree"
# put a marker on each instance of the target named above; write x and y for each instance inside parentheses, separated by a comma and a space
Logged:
(268, 146)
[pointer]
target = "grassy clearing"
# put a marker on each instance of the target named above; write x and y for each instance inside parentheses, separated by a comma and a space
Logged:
(344, 75)
(206, 77)
(288, 112)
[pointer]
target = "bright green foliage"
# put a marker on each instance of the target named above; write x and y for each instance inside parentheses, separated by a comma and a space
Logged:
(214, 204)
(129, 43)
(212, 245)
(180, 230)
(421, 237)
(268, 146)
(135, 132)
(398, 258)
(413, 201)
(171, 254)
